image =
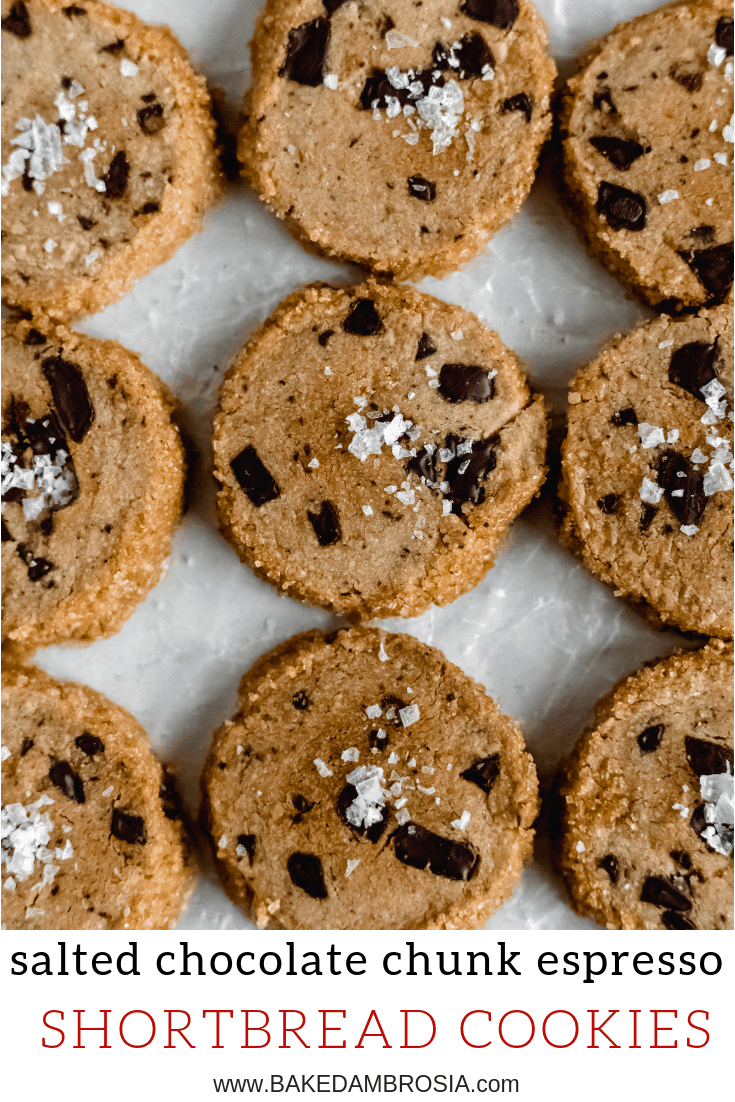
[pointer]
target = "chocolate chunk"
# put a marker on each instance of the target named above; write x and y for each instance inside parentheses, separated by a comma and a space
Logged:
(168, 794)
(724, 34)
(26, 745)
(691, 81)
(85, 223)
(422, 849)
(419, 188)
(692, 366)
(150, 119)
(465, 486)
(610, 864)
(519, 102)
(74, 9)
(483, 773)
(662, 893)
(624, 417)
(426, 347)
(676, 472)
(64, 778)
(37, 567)
(650, 739)
(114, 47)
(424, 465)
(6, 536)
(332, 5)
(128, 828)
(674, 921)
(619, 152)
(681, 858)
(33, 337)
(465, 383)
(498, 13)
(89, 744)
(699, 825)
(707, 758)
(609, 503)
(392, 705)
(649, 512)
(253, 477)
(247, 841)
(18, 21)
(712, 267)
(302, 806)
(602, 101)
(326, 524)
(116, 177)
(375, 830)
(378, 739)
(305, 870)
(378, 89)
(363, 319)
(307, 48)
(149, 208)
(623, 209)
(324, 337)
(70, 395)
(472, 52)
(45, 436)
(300, 700)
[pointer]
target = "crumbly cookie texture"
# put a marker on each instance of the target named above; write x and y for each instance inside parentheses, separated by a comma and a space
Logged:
(108, 160)
(367, 783)
(90, 837)
(647, 135)
(647, 800)
(397, 135)
(373, 445)
(92, 484)
(647, 464)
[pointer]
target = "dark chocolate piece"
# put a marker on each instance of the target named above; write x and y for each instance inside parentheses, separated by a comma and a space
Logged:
(302, 806)
(116, 177)
(465, 486)
(691, 81)
(114, 47)
(609, 503)
(610, 864)
(85, 223)
(392, 705)
(424, 465)
(253, 477)
(483, 773)
(305, 53)
(498, 13)
(624, 417)
(602, 101)
(676, 472)
(168, 794)
(247, 841)
(6, 536)
(519, 102)
(622, 209)
(692, 366)
(326, 524)
(650, 739)
(465, 383)
(45, 436)
(324, 337)
(37, 567)
(674, 921)
(300, 700)
(70, 395)
(74, 9)
(332, 5)
(372, 833)
(699, 825)
(712, 267)
(422, 849)
(26, 745)
(128, 828)
(363, 319)
(70, 783)
(662, 893)
(150, 118)
(18, 21)
(707, 758)
(419, 188)
(620, 152)
(33, 337)
(472, 52)
(649, 512)
(89, 744)
(305, 870)
(681, 858)
(426, 347)
(378, 739)
(724, 34)
(378, 89)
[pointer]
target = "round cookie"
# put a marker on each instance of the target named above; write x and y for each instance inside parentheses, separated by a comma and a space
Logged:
(373, 445)
(90, 839)
(397, 135)
(647, 153)
(92, 484)
(107, 152)
(646, 482)
(367, 783)
(646, 800)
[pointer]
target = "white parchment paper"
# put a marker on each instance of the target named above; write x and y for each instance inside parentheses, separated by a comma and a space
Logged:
(544, 638)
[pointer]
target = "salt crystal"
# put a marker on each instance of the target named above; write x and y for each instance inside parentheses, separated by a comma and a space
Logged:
(351, 866)
(716, 54)
(409, 715)
(373, 711)
(689, 529)
(650, 435)
(668, 196)
(331, 80)
(701, 164)
(352, 754)
(580, 847)
(322, 768)
(128, 68)
(650, 492)
(461, 823)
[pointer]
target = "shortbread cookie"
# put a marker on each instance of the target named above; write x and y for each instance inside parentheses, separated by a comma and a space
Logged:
(647, 163)
(646, 479)
(87, 843)
(373, 445)
(647, 800)
(107, 152)
(92, 484)
(399, 135)
(367, 783)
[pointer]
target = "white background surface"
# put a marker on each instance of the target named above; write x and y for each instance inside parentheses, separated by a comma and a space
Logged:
(544, 638)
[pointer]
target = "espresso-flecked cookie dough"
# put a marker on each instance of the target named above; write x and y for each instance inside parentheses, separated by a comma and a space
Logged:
(373, 445)
(646, 481)
(647, 800)
(647, 134)
(90, 839)
(399, 135)
(92, 484)
(108, 160)
(367, 783)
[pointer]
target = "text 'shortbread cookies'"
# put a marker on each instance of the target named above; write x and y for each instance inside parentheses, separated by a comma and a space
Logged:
(647, 800)
(91, 839)
(365, 783)
(646, 487)
(92, 484)
(373, 445)
(107, 152)
(398, 135)
(647, 135)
